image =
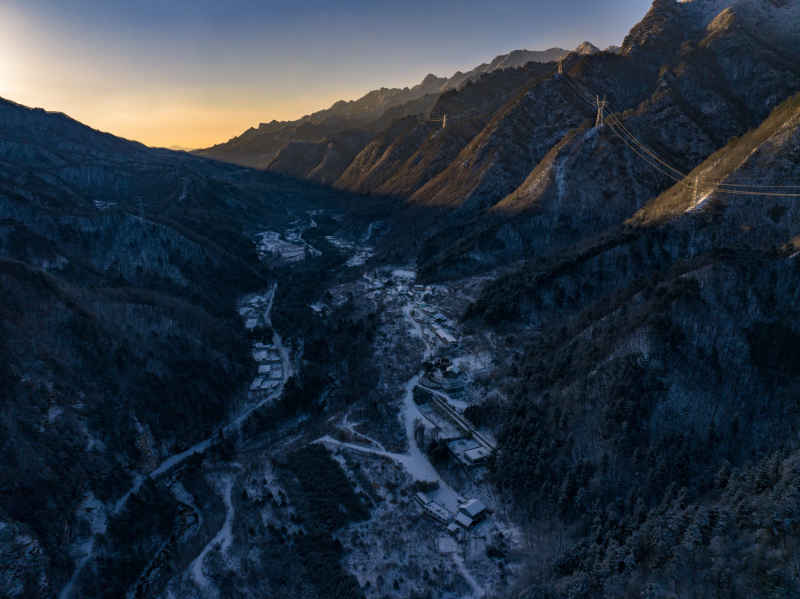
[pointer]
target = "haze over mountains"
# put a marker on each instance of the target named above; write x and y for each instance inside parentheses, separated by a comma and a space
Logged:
(520, 355)
(260, 147)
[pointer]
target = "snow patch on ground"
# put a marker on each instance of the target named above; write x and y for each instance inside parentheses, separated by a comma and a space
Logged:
(697, 205)
(92, 511)
(477, 591)
(402, 273)
(360, 253)
(182, 495)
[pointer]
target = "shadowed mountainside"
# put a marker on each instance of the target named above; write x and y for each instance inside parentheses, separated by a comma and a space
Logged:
(120, 269)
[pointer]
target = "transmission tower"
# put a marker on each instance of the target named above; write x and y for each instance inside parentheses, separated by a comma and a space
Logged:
(601, 109)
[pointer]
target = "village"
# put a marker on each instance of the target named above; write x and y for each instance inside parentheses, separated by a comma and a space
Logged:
(433, 496)
(271, 358)
(434, 493)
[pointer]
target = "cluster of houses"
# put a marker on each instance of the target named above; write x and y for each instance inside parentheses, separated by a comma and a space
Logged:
(270, 368)
(469, 513)
(290, 247)
(268, 358)
(439, 323)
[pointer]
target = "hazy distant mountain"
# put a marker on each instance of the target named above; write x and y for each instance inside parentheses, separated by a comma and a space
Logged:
(514, 59)
(258, 147)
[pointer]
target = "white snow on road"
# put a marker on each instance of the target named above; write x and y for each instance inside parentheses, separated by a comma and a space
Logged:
(415, 462)
(477, 591)
(417, 331)
(92, 511)
(221, 541)
(87, 550)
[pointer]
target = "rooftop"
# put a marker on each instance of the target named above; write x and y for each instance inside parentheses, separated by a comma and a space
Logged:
(463, 520)
(473, 508)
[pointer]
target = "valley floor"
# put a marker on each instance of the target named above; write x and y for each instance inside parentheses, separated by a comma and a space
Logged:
(419, 474)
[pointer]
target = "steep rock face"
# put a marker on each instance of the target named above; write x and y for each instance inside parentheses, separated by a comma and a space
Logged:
(383, 154)
(657, 37)
(427, 157)
(428, 150)
(501, 156)
(257, 148)
(298, 158)
(339, 153)
(776, 21)
(575, 190)
(678, 223)
(513, 60)
(323, 161)
(586, 48)
(747, 189)
(498, 159)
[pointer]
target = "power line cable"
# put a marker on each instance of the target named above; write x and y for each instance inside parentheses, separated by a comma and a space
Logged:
(640, 149)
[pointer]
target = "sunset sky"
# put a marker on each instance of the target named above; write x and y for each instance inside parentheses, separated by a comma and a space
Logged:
(191, 73)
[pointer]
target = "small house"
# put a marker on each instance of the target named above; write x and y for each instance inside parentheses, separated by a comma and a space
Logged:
(437, 512)
(463, 520)
(476, 455)
(473, 509)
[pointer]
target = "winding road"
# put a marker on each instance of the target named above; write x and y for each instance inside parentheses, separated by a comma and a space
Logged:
(199, 448)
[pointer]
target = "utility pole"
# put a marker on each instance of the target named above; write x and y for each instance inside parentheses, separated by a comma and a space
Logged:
(601, 108)
(560, 67)
(444, 120)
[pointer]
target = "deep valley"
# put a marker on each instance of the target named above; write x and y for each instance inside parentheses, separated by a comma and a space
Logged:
(465, 339)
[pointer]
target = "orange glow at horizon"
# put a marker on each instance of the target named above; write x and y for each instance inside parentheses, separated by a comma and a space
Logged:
(192, 74)
(35, 74)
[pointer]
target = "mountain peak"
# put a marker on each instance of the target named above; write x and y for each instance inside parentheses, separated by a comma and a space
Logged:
(586, 48)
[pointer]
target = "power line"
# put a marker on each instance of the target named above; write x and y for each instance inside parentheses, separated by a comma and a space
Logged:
(743, 192)
(646, 149)
(760, 186)
(660, 164)
(648, 160)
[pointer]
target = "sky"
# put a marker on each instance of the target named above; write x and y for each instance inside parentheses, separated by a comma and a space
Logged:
(191, 73)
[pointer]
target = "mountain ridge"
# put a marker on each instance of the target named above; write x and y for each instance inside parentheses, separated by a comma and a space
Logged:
(360, 112)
